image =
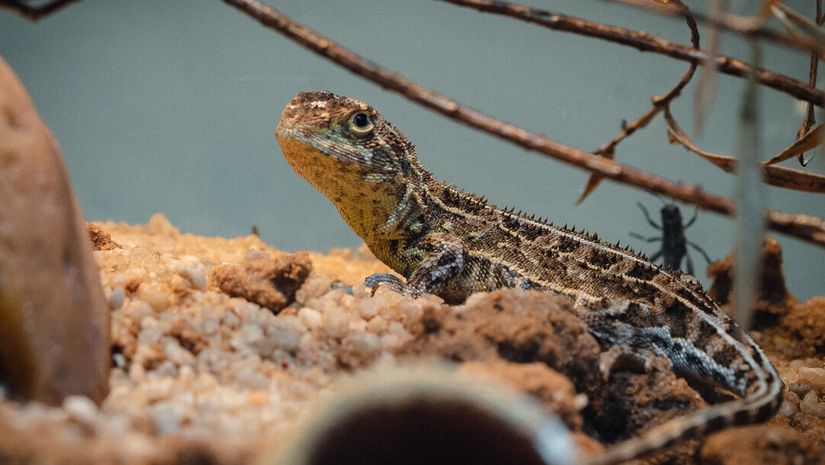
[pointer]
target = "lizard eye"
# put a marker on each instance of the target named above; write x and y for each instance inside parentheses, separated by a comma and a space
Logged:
(360, 124)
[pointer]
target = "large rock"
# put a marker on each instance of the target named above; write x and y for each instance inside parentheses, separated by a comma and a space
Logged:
(54, 321)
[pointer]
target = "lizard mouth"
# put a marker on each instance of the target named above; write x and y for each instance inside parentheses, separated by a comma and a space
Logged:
(298, 141)
(289, 138)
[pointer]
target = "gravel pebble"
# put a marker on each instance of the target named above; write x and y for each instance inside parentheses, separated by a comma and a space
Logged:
(335, 321)
(788, 409)
(310, 317)
(192, 269)
(811, 405)
(116, 297)
(193, 362)
(81, 408)
(286, 332)
(815, 375)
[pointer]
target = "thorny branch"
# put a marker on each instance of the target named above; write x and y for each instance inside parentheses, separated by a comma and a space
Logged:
(774, 175)
(35, 13)
(659, 102)
(608, 150)
(728, 23)
(801, 226)
(647, 43)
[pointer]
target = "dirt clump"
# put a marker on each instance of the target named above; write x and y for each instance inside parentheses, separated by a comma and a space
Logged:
(270, 283)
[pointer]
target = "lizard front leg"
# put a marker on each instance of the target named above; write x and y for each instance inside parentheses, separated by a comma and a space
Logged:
(443, 260)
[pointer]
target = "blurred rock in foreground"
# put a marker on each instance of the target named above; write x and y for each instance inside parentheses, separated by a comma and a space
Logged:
(54, 322)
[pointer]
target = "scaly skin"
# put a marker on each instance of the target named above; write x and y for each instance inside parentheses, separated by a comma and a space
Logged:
(452, 243)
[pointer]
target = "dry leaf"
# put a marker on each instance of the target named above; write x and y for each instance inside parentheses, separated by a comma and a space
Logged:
(811, 140)
(778, 176)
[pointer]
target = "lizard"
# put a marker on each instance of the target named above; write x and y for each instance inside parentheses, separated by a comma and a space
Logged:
(452, 243)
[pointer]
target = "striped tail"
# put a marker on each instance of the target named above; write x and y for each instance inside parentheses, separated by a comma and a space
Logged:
(756, 406)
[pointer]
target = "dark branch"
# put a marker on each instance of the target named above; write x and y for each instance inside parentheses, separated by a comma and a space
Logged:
(808, 229)
(35, 13)
(738, 25)
(646, 43)
(608, 150)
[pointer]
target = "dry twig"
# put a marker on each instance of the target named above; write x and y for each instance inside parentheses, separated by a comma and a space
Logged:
(798, 25)
(645, 42)
(778, 176)
(808, 141)
(809, 120)
(800, 226)
(35, 13)
(744, 26)
(608, 150)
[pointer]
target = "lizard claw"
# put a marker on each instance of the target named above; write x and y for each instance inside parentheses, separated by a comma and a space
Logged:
(392, 282)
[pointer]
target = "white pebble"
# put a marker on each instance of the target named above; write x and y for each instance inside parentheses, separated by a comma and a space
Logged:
(176, 353)
(136, 372)
(81, 408)
(398, 330)
(313, 287)
(117, 297)
(119, 360)
(166, 417)
(390, 341)
(310, 317)
(192, 269)
(369, 308)
(153, 295)
(346, 300)
(230, 319)
(336, 323)
(249, 377)
(357, 325)
(285, 332)
(366, 345)
(377, 325)
(150, 331)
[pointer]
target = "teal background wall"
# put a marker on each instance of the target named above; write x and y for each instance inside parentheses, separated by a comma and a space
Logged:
(170, 106)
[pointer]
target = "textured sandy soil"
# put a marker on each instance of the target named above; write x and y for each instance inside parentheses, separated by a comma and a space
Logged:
(220, 344)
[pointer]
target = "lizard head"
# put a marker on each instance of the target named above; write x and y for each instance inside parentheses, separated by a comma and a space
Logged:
(350, 153)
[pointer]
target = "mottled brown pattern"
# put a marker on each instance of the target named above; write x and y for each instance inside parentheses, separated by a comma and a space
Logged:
(452, 243)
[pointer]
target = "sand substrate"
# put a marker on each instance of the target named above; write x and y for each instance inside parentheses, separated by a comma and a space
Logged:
(219, 345)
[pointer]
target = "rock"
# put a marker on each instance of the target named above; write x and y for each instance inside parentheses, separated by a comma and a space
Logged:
(270, 283)
(512, 325)
(800, 333)
(774, 300)
(54, 318)
(634, 403)
(760, 444)
(101, 240)
(551, 389)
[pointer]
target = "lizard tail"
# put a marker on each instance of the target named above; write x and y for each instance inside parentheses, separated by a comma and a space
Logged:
(756, 406)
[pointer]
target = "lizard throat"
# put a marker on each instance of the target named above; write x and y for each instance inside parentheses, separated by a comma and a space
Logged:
(366, 201)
